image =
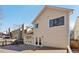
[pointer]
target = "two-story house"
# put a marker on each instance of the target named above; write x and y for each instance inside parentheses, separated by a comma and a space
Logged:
(51, 27)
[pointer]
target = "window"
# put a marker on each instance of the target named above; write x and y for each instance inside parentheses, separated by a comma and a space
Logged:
(50, 23)
(36, 25)
(61, 20)
(56, 22)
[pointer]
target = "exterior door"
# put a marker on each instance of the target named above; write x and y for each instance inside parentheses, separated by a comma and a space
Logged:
(39, 41)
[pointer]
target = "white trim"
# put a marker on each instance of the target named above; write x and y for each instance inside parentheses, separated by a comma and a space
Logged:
(69, 49)
(35, 27)
(48, 23)
(68, 29)
(55, 18)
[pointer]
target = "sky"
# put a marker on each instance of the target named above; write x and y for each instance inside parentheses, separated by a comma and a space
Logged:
(15, 15)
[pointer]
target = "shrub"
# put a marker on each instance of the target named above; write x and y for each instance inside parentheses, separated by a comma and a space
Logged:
(75, 44)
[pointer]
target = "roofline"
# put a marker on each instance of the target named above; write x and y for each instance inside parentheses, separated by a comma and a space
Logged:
(49, 6)
(38, 14)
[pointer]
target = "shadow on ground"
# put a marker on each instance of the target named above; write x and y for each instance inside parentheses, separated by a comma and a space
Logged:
(22, 47)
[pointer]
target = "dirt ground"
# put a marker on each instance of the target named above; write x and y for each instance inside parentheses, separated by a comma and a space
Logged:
(30, 49)
(75, 46)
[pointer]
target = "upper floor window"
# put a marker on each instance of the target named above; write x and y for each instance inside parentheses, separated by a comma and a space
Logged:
(56, 22)
(36, 25)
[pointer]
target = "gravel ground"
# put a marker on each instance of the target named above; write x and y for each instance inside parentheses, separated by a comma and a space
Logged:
(28, 47)
(75, 50)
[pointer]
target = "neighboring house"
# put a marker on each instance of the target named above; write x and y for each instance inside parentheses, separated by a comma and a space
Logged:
(51, 27)
(15, 33)
(7, 35)
(18, 33)
(76, 29)
(28, 37)
(72, 35)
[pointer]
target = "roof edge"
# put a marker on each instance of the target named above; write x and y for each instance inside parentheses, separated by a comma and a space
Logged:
(49, 6)
(39, 14)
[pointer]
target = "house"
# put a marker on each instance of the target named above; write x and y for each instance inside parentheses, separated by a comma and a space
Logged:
(76, 29)
(28, 37)
(72, 35)
(20, 35)
(24, 34)
(8, 34)
(51, 27)
(15, 33)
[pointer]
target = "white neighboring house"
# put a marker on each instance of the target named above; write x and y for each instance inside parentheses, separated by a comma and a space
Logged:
(28, 36)
(76, 29)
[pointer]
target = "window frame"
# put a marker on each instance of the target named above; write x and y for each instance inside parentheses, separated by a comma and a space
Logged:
(56, 21)
(36, 26)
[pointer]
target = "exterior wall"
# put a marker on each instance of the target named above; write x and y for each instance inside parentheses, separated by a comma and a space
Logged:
(15, 34)
(28, 39)
(56, 36)
(76, 30)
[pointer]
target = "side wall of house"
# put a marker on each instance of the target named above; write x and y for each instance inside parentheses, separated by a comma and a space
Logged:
(56, 36)
(76, 30)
